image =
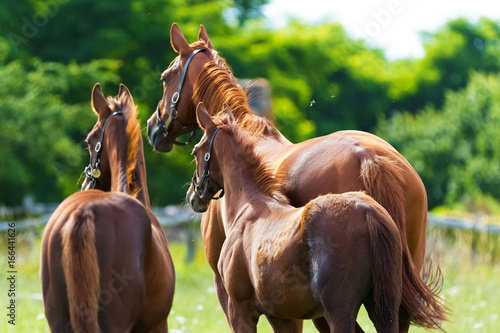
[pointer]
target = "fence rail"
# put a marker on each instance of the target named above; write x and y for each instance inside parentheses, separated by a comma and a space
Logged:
(466, 224)
(168, 216)
(175, 215)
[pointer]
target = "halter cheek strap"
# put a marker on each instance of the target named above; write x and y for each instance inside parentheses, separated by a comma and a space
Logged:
(93, 171)
(201, 187)
(166, 127)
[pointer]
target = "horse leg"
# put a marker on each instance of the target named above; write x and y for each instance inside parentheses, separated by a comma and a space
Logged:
(243, 316)
(341, 323)
(284, 325)
(221, 292)
(162, 329)
(390, 326)
(359, 329)
(338, 319)
(322, 326)
(404, 321)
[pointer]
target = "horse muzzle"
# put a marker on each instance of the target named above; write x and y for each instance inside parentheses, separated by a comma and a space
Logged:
(156, 137)
(198, 205)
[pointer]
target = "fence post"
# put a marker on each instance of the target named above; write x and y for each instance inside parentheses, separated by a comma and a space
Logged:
(191, 246)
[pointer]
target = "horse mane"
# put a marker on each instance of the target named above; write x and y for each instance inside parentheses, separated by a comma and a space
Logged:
(216, 86)
(133, 132)
(258, 170)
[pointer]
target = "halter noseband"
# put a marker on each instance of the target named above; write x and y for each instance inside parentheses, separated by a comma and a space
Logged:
(92, 170)
(166, 127)
(202, 186)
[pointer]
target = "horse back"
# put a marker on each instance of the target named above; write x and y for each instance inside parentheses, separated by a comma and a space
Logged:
(347, 161)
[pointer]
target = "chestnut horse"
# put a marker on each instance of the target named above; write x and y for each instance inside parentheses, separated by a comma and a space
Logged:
(324, 259)
(340, 162)
(105, 263)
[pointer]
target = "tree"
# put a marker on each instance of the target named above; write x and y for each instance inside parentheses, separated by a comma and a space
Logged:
(454, 149)
(321, 79)
(42, 129)
(451, 53)
(248, 9)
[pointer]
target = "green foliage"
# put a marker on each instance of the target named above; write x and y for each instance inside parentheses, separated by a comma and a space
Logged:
(322, 80)
(248, 9)
(43, 122)
(456, 149)
(451, 54)
(319, 71)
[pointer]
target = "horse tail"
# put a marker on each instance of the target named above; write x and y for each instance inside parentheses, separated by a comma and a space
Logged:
(421, 301)
(383, 180)
(81, 270)
(386, 261)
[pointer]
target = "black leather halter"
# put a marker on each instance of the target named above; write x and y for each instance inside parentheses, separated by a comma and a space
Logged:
(201, 187)
(93, 171)
(166, 127)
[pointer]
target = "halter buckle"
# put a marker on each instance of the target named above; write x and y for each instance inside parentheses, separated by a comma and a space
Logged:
(175, 97)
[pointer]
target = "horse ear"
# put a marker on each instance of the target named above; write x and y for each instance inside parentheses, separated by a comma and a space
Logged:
(99, 103)
(124, 95)
(203, 117)
(229, 113)
(178, 41)
(204, 37)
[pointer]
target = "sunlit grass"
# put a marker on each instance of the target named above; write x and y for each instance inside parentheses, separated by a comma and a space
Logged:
(469, 261)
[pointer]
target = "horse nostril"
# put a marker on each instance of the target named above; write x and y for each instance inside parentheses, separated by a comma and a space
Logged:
(152, 135)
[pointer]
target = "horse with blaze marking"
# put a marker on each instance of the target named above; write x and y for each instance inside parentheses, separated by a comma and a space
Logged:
(105, 263)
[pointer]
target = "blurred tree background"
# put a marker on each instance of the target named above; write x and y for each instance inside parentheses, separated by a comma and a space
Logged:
(442, 112)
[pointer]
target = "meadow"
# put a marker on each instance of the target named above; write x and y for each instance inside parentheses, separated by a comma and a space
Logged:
(470, 262)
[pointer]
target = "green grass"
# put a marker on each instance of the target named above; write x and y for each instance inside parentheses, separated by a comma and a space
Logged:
(470, 263)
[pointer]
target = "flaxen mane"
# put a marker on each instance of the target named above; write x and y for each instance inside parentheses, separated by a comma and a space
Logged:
(133, 132)
(257, 169)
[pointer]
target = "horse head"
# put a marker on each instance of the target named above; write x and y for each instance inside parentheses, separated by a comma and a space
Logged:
(175, 113)
(108, 141)
(208, 181)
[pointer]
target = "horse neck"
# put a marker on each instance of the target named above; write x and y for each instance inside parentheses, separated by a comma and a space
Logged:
(139, 184)
(128, 172)
(241, 191)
